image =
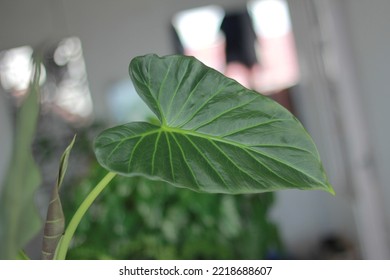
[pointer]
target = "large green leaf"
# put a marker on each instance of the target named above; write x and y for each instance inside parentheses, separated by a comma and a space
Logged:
(215, 135)
(19, 217)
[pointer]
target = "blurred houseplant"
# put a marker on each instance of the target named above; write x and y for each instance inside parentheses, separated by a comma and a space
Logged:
(142, 219)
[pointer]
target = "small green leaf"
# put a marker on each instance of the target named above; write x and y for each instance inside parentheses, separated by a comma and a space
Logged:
(22, 256)
(19, 217)
(55, 220)
(215, 135)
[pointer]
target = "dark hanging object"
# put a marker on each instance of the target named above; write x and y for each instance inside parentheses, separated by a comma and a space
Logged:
(240, 38)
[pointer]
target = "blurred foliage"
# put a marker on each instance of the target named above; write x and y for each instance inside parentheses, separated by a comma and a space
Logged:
(136, 218)
(19, 217)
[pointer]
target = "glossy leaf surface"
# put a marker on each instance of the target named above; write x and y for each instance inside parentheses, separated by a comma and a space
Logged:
(215, 135)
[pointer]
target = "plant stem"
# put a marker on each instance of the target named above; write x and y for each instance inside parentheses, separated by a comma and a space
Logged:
(79, 214)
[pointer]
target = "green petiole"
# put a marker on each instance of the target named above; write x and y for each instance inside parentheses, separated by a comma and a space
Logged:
(63, 246)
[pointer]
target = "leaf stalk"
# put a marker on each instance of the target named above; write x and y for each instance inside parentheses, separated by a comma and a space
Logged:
(79, 214)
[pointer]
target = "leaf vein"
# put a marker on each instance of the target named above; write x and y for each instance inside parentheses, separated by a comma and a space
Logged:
(185, 161)
(258, 161)
(219, 139)
(177, 89)
(232, 161)
(174, 119)
(155, 151)
(202, 106)
(163, 83)
(272, 171)
(123, 140)
(286, 147)
(252, 126)
(207, 160)
(285, 164)
(132, 153)
(170, 156)
(223, 113)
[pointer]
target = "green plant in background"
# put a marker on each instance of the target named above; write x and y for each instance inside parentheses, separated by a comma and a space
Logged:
(213, 136)
(142, 219)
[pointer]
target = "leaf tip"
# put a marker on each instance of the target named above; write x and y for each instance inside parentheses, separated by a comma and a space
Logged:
(331, 190)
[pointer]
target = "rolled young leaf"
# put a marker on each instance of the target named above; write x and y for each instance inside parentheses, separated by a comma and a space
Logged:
(55, 219)
(215, 135)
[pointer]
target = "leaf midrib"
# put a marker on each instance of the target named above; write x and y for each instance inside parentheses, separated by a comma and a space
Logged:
(213, 138)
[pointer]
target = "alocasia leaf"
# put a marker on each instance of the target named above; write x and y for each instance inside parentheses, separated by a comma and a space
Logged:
(19, 217)
(55, 219)
(215, 135)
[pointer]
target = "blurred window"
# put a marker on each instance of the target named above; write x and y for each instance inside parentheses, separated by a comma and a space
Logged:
(254, 45)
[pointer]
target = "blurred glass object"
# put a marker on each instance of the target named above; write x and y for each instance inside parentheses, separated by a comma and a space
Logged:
(253, 45)
(16, 70)
(65, 89)
(271, 17)
(279, 66)
(70, 96)
(196, 33)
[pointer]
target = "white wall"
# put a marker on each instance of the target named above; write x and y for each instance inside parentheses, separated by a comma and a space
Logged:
(343, 54)
(369, 25)
(308, 217)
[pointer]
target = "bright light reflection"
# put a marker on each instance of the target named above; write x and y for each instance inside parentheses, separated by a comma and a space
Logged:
(16, 69)
(73, 94)
(68, 49)
(270, 17)
(74, 99)
(200, 27)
